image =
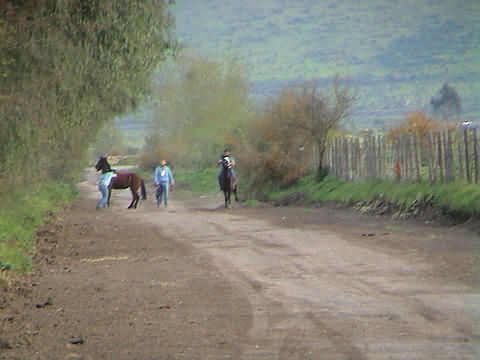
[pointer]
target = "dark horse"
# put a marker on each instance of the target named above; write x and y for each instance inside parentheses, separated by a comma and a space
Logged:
(123, 180)
(228, 183)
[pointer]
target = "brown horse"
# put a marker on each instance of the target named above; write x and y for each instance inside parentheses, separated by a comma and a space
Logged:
(123, 180)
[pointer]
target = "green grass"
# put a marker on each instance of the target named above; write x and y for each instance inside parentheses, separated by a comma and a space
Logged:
(25, 212)
(452, 197)
(200, 182)
(252, 203)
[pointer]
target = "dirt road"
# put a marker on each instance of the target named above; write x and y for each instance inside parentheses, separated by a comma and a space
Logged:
(198, 281)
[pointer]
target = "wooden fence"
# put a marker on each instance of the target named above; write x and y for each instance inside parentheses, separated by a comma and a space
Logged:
(437, 157)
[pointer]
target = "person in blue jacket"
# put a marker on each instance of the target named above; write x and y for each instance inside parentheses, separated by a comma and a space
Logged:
(163, 178)
(103, 184)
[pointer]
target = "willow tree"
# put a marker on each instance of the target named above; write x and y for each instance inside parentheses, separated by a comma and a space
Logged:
(66, 69)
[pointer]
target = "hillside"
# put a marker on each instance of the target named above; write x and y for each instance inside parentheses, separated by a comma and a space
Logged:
(397, 54)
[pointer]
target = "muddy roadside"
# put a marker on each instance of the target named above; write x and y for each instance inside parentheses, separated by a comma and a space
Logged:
(104, 287)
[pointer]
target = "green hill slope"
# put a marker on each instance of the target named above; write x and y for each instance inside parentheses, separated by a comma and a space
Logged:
(396, 53)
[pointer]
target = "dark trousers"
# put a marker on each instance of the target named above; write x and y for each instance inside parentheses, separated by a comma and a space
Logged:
(162, 193)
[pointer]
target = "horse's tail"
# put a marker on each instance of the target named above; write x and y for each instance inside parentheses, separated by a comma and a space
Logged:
(143, 190)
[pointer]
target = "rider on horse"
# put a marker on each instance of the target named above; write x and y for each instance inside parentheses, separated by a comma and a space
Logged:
(230, 161)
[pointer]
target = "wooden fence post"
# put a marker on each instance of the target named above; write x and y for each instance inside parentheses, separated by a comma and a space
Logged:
(433, 158)
(346, 165)
(475, 154)
(448, 144)
(359, 159)
(460, 156)
(440, 157)
(467, 158)
(416, 158)
(409, 153)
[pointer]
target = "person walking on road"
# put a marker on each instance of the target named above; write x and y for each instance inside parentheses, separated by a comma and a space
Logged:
(163, 179)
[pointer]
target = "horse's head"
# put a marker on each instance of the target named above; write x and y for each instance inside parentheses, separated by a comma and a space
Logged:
(102, 164)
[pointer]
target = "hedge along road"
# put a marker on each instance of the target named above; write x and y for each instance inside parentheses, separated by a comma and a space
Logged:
(272, 283)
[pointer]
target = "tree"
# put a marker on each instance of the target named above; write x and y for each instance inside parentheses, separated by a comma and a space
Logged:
(323, 112)
(198, 105)
(447, 104)
(108, 138)
(275, 150)
(66, 69)
(417, 123)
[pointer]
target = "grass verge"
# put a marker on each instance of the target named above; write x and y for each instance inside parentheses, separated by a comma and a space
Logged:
(198, 182)
(24, 212)
(453, 198)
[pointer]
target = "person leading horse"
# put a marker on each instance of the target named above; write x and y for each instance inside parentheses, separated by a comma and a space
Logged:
(123, 180)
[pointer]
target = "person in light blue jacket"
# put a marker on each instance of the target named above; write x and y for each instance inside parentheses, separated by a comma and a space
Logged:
(103, 184)
(163, 178)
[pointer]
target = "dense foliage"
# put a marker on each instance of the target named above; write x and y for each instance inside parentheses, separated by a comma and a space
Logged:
(66, 69)
(199, 107)
(290, 136)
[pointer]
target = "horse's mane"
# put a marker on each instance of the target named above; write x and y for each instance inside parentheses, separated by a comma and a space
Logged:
(107, 165)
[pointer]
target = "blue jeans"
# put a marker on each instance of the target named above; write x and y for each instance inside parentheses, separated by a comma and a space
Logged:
(103, 202)
(162, 193)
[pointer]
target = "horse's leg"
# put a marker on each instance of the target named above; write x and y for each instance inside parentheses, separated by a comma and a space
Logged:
(137, 198)
(235, 193)
(134, 197)
(225, 194)
(109, 196)
(136, 186)
(233, 186)
(228, 198)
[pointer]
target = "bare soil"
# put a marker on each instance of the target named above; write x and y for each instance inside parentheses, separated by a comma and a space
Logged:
(197, 281)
